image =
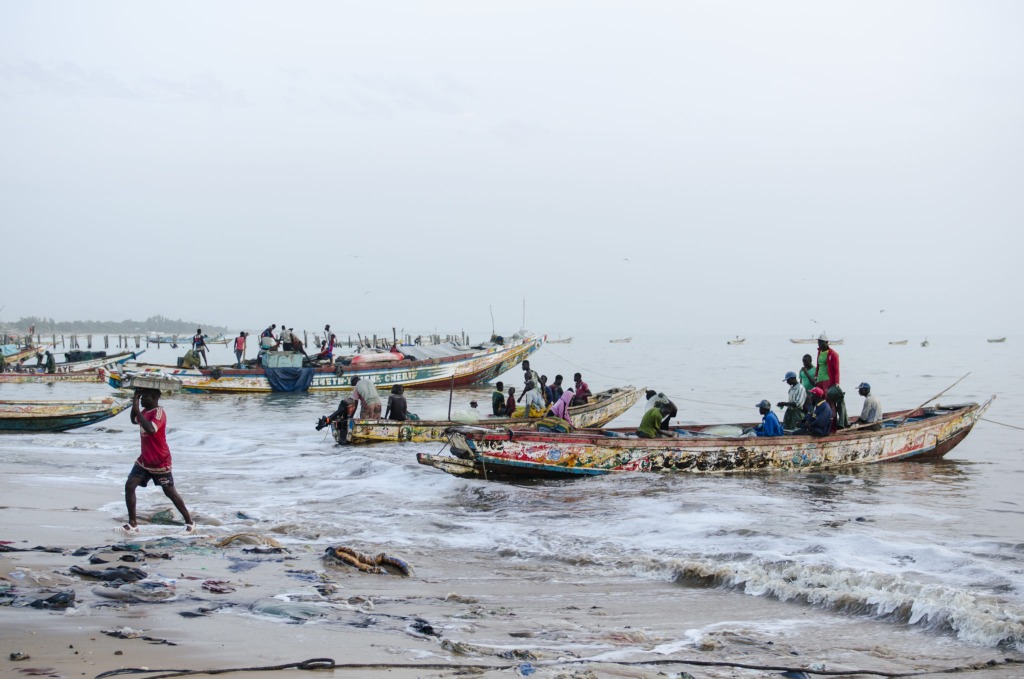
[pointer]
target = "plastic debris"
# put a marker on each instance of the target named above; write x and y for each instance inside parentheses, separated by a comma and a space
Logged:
(120, 573)
(57, 602)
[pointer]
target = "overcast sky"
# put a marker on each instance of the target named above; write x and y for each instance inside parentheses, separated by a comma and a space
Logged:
(629, 167)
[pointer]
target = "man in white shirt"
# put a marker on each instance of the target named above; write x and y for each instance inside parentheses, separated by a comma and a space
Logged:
(796, 403)
(872, 410)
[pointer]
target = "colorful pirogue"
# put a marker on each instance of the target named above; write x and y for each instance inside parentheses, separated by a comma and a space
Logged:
(87, 370)
(428, 367)
(925, 433)
(603, 407)
(35, 416)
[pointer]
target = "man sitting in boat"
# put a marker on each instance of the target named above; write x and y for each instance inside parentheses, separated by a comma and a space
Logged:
(326, 354)
(346, 410)
(818, 422)
(872, 410)
(397, 405)
(770, 425)
(650, 425)
(560, 408)
(582, 391)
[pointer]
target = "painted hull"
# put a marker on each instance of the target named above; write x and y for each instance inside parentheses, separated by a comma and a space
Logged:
(77, 371)
(438, 373)
(930, 434)
(29, 352)
(40, 416)
(605, 407)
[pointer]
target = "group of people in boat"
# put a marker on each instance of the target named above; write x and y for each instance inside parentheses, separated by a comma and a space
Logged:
(538, 398)
(814, 405)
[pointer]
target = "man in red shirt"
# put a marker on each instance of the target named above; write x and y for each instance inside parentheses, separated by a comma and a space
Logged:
(154, 464)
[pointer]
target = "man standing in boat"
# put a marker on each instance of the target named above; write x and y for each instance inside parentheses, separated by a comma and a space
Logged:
(827, 370)
(365, 393)
(795, 405)
(529, 375)
(154, 463)
(199, 345)
(582, 391)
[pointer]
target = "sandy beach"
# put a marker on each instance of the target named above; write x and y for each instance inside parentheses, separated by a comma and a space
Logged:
(447, 619)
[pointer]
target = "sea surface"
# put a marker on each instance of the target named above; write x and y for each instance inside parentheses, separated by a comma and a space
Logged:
(932, 549)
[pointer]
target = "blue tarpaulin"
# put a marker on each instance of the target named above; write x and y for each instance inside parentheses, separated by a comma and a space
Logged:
(290, 379)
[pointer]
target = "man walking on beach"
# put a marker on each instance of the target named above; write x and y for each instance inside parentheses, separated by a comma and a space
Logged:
(154, 463)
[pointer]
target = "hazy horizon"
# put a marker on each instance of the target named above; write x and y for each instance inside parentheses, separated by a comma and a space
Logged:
(732, 168)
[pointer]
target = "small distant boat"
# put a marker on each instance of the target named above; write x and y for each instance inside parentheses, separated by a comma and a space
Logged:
(738, 340)
(624, 340)
(899, 342)
(814, 340)
(56, 415)
(925, 342)
(997, 340)
(568, 340)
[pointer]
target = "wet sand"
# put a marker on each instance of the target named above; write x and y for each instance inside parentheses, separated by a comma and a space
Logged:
(475, 612)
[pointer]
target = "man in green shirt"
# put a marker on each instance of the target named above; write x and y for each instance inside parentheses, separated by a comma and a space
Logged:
(498, 400)
(650, 425)
(51, 363)
(807, 373)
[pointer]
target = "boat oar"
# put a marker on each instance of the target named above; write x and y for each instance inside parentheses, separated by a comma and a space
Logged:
(901, 420)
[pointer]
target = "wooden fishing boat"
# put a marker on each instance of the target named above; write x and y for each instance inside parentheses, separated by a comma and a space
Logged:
(13, 354)
(624, 340)
(738, 340)
(439, 366)
(603, 407)
(36, 416)
(898, 342)
(922, 434)
(71, 371)
(814, 340)
(997, 340)
(568, 340)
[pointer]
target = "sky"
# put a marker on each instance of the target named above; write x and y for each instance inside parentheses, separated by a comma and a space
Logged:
(622, 167)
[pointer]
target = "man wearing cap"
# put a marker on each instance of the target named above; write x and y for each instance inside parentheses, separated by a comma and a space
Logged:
(872, 410)
(795, 405)
(769, 421)
(827, 372)
(818, 422)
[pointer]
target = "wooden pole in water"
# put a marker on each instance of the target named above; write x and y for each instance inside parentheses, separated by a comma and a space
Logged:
(451, 392)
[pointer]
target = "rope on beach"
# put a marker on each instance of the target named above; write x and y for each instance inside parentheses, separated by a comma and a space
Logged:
(1011, 426)
(329, 664)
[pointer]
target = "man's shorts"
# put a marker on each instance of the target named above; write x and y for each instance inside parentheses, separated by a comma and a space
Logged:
(162, 479)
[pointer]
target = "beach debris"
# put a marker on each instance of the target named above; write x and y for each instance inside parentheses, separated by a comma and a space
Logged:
(18, 655)
(421, 627)
(249, 539)
(129, 633)
(218, 586)
(267, 550)
(203, 611)
(57, 602)
(294, 610)
(117, 574)
(525, 670)
(39, 671)
(143, 591)
(380, 564)
(96, 560)
(590, 674)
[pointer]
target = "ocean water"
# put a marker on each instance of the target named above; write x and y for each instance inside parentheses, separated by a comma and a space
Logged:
(933, 548)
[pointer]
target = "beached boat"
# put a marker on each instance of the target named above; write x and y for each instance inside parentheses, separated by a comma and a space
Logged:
(567, 340)
(35, 416)
(438, 366)
(738, 340)
(86, 370)
(624, 340)
(898, 342)
(603, 407)
(814, 340)
(922, 434)
(996, 340)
